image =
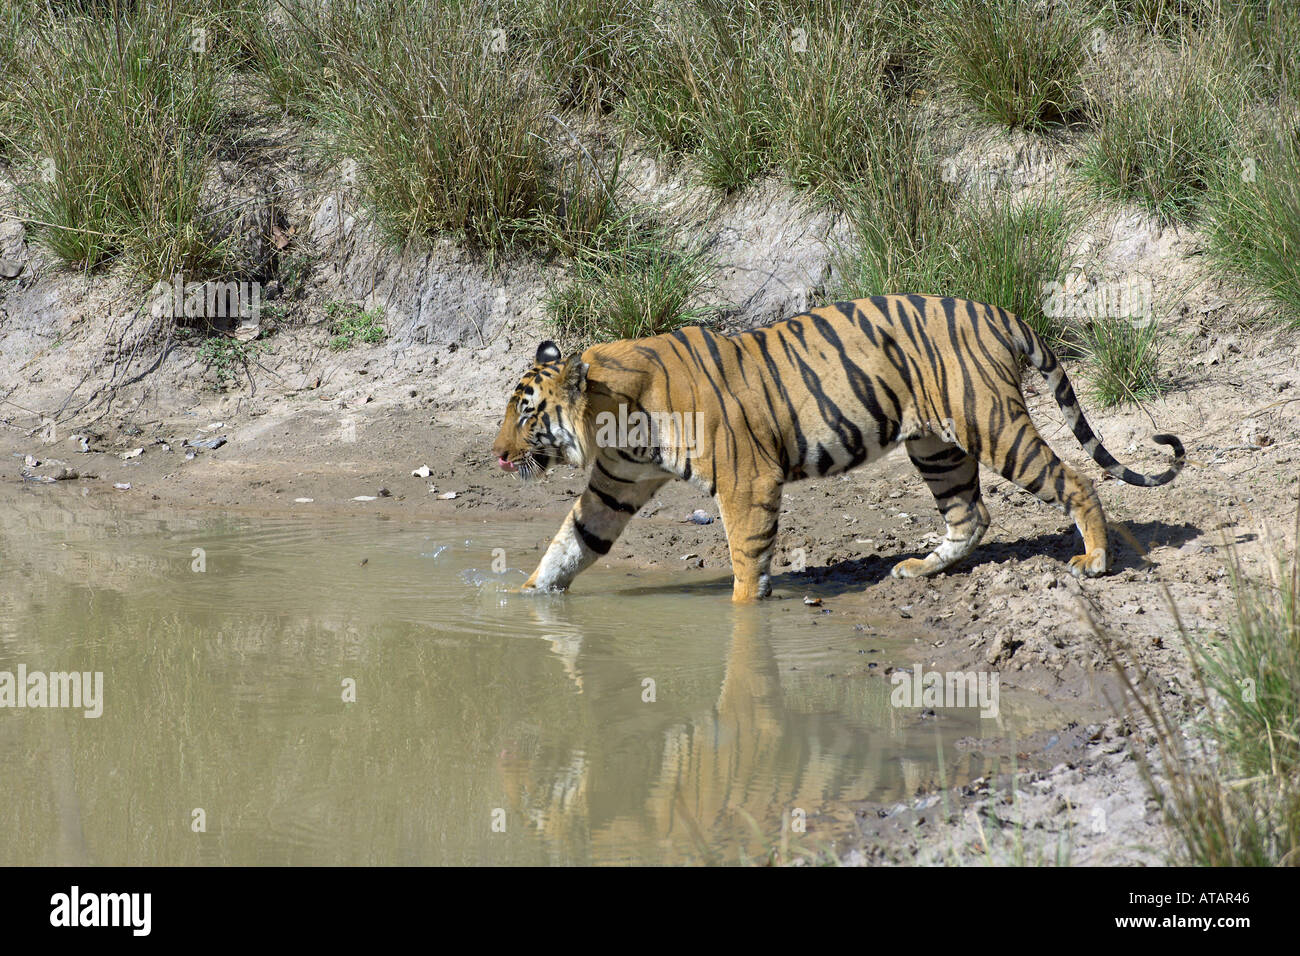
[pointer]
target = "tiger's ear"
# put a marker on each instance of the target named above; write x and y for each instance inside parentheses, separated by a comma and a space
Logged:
(547, 352)
(575, 375)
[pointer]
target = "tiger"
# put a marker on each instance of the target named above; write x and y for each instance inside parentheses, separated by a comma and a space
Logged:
(813, 395)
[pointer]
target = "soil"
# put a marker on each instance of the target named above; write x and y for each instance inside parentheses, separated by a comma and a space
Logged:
(81, 358)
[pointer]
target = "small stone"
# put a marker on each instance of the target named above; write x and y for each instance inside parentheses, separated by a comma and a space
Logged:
(422, 472)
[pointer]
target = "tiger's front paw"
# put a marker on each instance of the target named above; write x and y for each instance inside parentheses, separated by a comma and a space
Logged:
(1090, 565)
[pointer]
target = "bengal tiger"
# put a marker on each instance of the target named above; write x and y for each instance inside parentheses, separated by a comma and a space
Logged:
(816, 394)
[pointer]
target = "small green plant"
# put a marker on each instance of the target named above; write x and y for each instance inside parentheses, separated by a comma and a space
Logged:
(228, 356)
(1017, 61)
(1124, 359)
(646, 283)
(350, 324)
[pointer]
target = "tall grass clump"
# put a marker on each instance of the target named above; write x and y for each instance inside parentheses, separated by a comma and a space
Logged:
(642, 280)
(897, 211)
(1017, 61)
(1254, 219)
(751, 87)
(701, 89)
(1237, 803)
(12, 25)
(1160, 133)
(913, 232)
(1006, 252)
(1270, 32)
(449, 122)
(1124, 359)
(119, 120)
(441, 122)
(1161, 17)
(585, 48)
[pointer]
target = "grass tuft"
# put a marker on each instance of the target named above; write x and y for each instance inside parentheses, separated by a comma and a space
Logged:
(1160, 134)
(642, 281)
(121, 116)
(1254, 220)
(1017, 61)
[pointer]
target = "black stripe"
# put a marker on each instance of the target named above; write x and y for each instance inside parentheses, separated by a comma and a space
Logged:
(593, 543)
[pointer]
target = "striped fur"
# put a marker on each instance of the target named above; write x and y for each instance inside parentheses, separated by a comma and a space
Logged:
(816, 394)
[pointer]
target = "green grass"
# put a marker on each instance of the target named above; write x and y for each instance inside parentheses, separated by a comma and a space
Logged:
(1004, 252)
(585, 48)
(1161, 17)
(350, 325)
(1124, 359)
(914, 232)
(1160, 134)
(1234, 799)
(897, 211)
(642, 282)
(752, 87)
(1254, 220)
(1248, 814)
(1017, 61)
(1269, 32)
(119, 122)
(451, 123)
(228, 356)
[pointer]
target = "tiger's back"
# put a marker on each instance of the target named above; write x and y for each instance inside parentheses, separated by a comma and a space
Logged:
(813, 395)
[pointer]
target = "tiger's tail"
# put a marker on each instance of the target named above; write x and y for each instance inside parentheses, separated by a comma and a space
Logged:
(1028, 343)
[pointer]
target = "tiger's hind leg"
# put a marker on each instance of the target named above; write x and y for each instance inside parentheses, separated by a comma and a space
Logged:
(1030, 463)
(954, 480)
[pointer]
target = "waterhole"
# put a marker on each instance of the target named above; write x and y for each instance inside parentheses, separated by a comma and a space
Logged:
(297, 690)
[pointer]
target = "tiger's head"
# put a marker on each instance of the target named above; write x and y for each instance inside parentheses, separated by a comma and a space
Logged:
(546, 418)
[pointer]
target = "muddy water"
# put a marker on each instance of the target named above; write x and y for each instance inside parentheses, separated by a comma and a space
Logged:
(639, 719)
